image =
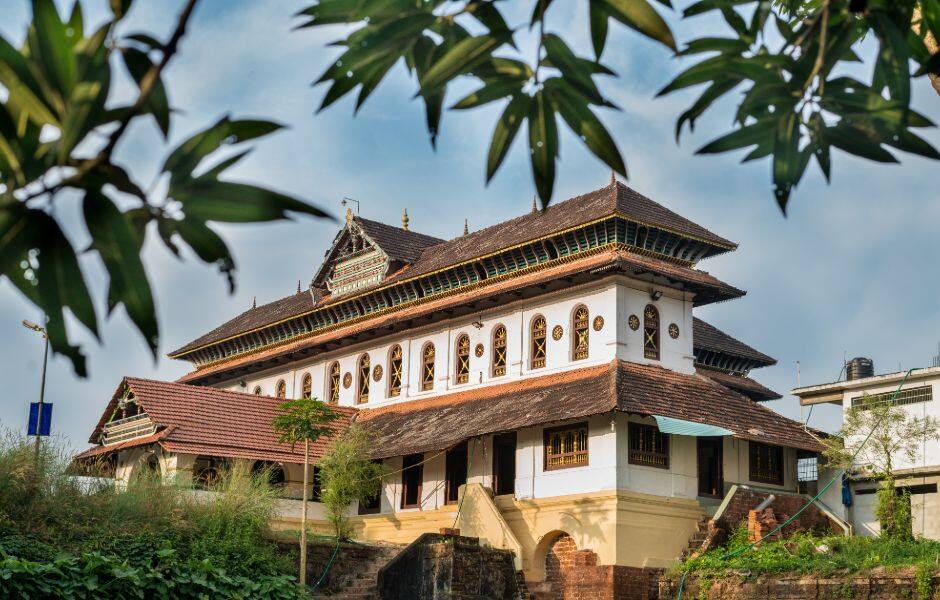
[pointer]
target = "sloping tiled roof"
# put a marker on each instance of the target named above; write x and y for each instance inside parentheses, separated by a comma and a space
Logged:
(626, 262)
(205, 420)
(399, 244)
(425, 254)
(441, 422)
(739, 383)
(709, 337)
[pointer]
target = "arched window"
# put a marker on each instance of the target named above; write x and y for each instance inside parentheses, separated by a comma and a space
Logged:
(362, 394)
(462, 371)
(427, 367)
(651, 332)
(580, 332)
(394, 371)
(306, 386)
(280, 390)
(537, 349)
(499, 351)
(332, 391)
(257, 390)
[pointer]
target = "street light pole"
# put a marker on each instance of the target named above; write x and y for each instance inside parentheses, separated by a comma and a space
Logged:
(42, 384)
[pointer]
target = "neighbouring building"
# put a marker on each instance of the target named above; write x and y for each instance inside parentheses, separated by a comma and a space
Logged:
(862, 389)
(550, 368)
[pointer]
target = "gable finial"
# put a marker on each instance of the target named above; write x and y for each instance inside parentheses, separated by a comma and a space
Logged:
(534, 207)
(404, 219)
(348, 215)
(298, 286)
(466, 230)
(613, 178)
(254, 302)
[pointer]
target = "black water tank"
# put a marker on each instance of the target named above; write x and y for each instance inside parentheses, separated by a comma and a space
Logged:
(859, 367)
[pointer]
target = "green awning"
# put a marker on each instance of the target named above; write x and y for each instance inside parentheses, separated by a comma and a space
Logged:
(680, 427)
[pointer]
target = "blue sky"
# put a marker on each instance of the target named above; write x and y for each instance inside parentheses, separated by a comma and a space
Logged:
(850, 271)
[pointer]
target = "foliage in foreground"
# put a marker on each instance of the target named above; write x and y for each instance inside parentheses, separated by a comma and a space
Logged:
(801, 555)
(348, 475)
(70, 537)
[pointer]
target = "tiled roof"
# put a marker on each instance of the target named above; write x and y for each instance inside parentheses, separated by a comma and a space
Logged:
(709, 337)
(739, 383)
(205, 420)
(399, 244)
(441, 422)
(425, 254)
(624, 261)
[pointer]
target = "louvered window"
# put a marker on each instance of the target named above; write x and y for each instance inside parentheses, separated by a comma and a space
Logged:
(539, 331)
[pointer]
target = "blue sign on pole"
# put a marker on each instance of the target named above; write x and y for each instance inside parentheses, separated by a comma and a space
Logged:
(34, 416)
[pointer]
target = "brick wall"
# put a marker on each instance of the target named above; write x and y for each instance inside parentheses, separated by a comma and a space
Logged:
(784, 506)
(573, 574)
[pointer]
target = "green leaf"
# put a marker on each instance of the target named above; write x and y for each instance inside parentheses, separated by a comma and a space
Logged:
(209, 199)
(576, 71)
(187, 156)
(116, 241)
(573, 107)
(789, 165)
(486, 13)
(748, 135)
(894, 54)
(853, 141)
(207, 245)
(138, 65)
(147, 40)
(543, 145)
(460, 58)
(716, 90)
(641, 16)
(53, 48)
(599, 24)
(714, 44)
(25, 96)
(505, 132)
(492, 90)
(120, 8)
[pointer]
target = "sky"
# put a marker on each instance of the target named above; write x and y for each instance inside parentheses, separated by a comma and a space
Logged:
(850, 271)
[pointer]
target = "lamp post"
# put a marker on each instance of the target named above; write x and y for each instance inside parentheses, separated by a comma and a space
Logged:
(42, 386)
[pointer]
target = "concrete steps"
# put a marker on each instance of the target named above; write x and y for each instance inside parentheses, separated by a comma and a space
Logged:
(362, 582)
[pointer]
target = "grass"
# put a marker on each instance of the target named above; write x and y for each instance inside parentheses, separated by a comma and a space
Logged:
(804, 554)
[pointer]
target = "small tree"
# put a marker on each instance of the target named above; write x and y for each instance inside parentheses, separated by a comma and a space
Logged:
(303, 420)
(896, 436)
(346, 475)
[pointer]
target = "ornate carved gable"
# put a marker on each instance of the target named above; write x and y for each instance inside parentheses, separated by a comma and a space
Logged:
(354, 262)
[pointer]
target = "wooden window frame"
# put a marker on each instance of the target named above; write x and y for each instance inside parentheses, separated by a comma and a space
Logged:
(364, 369)
(427, 366)
(306, 386)
(546, 456)
(404, 472)
(651, 333)
(395, 363)
(258, 391)
(462, 364)
(538, 345)
(280, 389)
(754, 459)
(580, 333)
(334, 375)
(636, 432)
(500, 346)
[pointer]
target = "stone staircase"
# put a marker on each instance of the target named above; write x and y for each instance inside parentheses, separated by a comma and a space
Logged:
(704, 537)
(359, 581)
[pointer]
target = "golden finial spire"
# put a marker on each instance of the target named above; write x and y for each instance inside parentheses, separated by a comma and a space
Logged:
(534, 207)
(348, 214)
(298, 286)
(254, 302)
(466, 229)
(613, 178)
(404, 219)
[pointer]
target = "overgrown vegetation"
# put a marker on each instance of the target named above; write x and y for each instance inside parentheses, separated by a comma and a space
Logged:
(62, 536)
(348, 475)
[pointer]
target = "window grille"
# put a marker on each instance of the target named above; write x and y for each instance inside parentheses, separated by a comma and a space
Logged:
(566, 447)
(462, 373)
(580, 333)
(394, 372)
(334, 383)
(427, 367)
(306, 386)
(363, 389)
(539, 331)
(257, 390)
(908, 396)
(651, 332)
(648, 446)
(280, 390)
(499, 351)
(766, 463)
(807, 467)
